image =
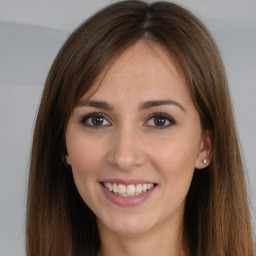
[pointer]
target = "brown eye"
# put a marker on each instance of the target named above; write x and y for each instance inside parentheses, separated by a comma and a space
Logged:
(160, 121)
(95, 120)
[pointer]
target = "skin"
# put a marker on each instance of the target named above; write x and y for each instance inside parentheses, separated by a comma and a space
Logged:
(129, 145)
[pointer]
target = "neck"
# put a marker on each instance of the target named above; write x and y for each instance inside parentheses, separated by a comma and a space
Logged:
(164, 240)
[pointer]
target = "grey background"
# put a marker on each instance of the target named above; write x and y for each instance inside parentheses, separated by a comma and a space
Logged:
(31, 33)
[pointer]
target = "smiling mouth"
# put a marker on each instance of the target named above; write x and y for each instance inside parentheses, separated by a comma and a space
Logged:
(128, 190)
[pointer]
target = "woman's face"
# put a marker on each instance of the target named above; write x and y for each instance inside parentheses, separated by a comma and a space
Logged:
(133, 142)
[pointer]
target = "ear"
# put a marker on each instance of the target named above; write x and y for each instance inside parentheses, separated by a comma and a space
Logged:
(67, 159)
(204, 156)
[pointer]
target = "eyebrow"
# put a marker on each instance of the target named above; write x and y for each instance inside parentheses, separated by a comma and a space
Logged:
(143, 106)
(156, 103)
(95, 104)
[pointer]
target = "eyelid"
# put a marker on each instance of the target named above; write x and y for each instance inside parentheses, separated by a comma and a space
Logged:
(163, 115)
(94, 114)
(85, 117)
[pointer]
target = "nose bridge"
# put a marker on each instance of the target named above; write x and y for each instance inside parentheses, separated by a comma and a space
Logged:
(126, 151)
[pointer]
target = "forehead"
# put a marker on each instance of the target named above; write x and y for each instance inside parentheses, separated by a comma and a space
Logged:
(145, 71)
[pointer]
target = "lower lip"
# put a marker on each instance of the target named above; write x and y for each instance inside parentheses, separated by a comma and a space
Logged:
(127, 201)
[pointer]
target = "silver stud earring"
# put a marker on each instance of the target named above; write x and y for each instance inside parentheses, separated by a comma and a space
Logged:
(205, 161)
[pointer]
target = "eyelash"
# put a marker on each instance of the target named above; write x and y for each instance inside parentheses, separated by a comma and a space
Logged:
(85, 118)
(163, 116)
(166, 117)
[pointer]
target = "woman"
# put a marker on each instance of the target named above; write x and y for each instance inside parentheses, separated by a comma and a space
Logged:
(135, 150)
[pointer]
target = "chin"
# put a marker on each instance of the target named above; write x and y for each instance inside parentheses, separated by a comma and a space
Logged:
(131, 225)
(128, 230)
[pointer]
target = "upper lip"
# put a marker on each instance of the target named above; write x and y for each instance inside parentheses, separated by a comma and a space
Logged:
(126, 182)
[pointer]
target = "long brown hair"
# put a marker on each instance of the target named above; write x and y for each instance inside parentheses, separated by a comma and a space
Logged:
(216, 220)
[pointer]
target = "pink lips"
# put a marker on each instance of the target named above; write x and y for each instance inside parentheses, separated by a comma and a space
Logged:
(126, 201)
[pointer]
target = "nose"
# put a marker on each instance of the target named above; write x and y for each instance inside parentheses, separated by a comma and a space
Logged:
(126, 151)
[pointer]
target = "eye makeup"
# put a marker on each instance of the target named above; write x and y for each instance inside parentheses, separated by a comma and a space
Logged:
(158, 120)
(95, 120)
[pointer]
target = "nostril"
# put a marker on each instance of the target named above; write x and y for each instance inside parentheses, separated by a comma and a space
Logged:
(127, 161)
(126, 151)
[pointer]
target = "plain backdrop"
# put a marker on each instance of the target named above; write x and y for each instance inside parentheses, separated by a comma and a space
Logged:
(31, 33)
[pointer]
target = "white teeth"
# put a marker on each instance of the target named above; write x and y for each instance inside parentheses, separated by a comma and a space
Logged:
(109, 186)
(130, 190)
(144, 187)
(138, 188)
(114, 188)
(121, 189)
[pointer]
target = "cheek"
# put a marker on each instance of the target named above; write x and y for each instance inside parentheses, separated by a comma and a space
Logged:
(86, 165)
(84, 154)
(176, 163)
(86, 159)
